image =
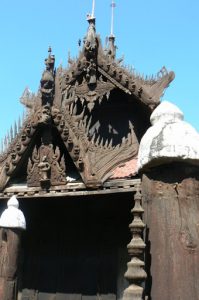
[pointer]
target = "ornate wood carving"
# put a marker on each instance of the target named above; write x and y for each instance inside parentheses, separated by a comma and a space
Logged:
(46, 167)
(48, 80)
(94, 157)
(135, 268)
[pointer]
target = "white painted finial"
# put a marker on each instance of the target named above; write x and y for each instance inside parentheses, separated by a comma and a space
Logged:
(13, 202)
(169, 139)
(13, 217)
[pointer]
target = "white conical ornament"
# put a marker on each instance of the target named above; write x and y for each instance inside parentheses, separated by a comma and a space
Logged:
(13, 217)
(169, 138)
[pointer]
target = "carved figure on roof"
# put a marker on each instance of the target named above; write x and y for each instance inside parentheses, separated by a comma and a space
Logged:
(48, 80)
(44, 115)
(44, 169)
(91, 73)
(90, 41)
(49, 163)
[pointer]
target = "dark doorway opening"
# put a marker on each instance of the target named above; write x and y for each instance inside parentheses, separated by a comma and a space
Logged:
(75, 248)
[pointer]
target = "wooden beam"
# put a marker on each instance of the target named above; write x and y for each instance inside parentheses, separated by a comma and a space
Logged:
(71, 189)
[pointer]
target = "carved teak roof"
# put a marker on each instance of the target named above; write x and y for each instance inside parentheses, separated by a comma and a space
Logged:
(86, 120)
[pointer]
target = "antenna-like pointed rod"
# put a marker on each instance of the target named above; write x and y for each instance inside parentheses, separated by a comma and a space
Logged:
(113, 5)
(93, 9)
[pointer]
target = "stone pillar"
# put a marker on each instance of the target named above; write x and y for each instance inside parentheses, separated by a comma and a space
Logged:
(168, 161)
(12, 223)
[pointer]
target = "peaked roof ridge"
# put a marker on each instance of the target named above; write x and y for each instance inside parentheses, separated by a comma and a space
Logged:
(93, 57)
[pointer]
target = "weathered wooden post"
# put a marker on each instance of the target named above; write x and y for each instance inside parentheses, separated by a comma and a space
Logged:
(12, 222)
(168, 161)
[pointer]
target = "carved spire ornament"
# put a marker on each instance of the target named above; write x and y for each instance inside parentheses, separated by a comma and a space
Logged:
(135, 273)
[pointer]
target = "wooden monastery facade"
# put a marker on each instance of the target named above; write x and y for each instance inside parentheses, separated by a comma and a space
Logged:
(72, 166)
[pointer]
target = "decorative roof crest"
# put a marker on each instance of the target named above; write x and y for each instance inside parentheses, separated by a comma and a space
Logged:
(48, 80)
(90, 41)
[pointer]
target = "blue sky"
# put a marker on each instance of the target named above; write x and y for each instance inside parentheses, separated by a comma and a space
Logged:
(150, 34)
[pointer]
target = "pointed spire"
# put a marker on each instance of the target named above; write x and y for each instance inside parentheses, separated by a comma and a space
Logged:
(113, 5)
(19, 124)
(90, 41)
(15, 129)
(111, 49)
(8, 138)
(93, 9)
(2, 146)
(11, 134)
(91, 16)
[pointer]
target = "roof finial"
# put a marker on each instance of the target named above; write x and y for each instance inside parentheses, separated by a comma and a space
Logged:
(93, 9)
(113, 5)
(111, 49)
(91, 16)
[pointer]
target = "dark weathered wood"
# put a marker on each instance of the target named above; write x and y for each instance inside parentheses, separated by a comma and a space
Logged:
(46, 296)
(60, 296)
(9, 255)
(75, 252)
(171, 202)
(72, 189)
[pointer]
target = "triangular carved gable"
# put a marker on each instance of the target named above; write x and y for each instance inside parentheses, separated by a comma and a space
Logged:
(99, 111)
